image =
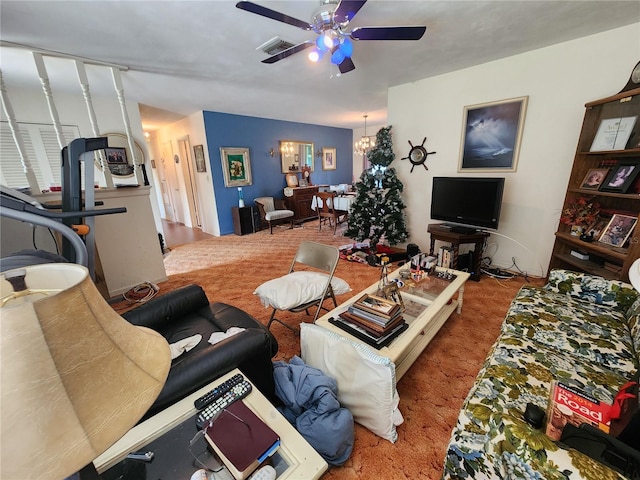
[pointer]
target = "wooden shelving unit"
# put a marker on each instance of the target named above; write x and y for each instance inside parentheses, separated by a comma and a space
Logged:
(625, 104)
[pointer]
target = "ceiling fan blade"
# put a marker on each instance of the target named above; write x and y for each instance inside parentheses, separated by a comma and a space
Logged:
(289, 51)
(347, 9)
(272, 14)
(388, 33)
(346, 66)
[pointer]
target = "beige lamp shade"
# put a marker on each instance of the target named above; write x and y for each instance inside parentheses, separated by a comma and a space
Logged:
(75, 375)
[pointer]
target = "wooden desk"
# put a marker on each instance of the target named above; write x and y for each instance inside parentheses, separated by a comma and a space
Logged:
(439, 231)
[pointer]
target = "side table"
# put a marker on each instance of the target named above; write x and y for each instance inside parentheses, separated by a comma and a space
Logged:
(297, 460)
(243, 220)
(439, 231)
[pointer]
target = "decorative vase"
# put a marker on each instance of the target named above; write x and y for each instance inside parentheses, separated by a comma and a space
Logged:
(241, 199)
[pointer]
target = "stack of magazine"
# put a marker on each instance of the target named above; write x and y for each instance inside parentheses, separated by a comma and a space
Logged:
(372, 319)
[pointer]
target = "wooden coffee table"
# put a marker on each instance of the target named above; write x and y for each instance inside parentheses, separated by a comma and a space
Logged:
(429, 302)
(296, 459)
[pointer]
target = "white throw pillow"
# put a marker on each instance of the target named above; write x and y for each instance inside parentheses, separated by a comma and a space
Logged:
(297, 288)
(366, 381)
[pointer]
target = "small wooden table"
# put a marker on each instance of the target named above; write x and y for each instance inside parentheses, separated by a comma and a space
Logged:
(439, 231)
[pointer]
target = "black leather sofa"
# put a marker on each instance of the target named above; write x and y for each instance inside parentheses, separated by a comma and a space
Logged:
(185, 312)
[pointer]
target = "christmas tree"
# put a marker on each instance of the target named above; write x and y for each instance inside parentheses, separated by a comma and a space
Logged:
(377, 212)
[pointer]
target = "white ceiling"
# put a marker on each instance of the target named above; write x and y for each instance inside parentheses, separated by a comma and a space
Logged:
(187, 56)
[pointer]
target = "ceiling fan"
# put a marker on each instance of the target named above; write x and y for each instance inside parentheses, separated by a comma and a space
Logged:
(330, 21)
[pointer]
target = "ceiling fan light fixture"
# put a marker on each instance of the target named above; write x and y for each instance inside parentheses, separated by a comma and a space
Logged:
(315, 55)
(346, 47)
(320, 44)
(328, 40)
(337, 57)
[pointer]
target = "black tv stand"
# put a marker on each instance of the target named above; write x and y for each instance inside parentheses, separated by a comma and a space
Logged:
(462, 230)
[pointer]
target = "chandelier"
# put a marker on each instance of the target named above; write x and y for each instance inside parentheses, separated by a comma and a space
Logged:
(366, 143)
(287, 149)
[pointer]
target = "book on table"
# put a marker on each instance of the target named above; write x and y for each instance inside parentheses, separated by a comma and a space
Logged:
(371, 326)
(241, 439)
(571, 405)
(378, 306)
(374, 340)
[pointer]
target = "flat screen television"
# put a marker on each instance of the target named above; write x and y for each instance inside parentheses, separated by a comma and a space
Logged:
(468, 201)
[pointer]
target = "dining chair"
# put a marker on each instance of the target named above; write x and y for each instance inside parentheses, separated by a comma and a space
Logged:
(325, 206)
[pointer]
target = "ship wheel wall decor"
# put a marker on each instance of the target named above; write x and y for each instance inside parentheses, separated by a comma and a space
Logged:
(418, 155)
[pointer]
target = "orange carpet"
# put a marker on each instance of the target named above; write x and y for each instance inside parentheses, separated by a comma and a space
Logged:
(229, 269)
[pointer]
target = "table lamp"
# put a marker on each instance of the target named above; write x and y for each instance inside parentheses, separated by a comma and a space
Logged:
(634, 274)
(75, 375)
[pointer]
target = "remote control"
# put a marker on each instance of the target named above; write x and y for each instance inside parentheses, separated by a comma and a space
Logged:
(265, 473)
(237, 392)
(217, 392)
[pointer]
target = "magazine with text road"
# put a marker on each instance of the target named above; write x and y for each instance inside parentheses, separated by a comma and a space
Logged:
(568, 404)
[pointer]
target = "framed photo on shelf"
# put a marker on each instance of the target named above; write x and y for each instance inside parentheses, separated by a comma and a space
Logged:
(620, 178)
(328, 158)
(236, 166)
(198, 153)
(595, 229)
(618, 230)
(594, 178)
(491, 135)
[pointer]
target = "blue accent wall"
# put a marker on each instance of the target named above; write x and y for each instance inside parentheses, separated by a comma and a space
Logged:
(260, 135)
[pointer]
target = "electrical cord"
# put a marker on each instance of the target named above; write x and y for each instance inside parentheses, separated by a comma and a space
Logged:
(501, 271)
(141, 293)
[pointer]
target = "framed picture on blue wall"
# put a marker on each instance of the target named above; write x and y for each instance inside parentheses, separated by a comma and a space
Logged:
(236, 166)
(328, 158)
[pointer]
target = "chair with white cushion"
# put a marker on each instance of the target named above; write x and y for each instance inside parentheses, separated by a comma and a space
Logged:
(309, 282)
(273, 212)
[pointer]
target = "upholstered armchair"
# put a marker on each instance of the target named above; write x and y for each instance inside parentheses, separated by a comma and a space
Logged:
(273, 212)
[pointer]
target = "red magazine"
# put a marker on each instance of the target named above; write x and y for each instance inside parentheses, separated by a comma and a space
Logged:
(568, 404)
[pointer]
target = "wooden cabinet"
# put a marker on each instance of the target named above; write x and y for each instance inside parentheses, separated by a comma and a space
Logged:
(604, 259)
(300, 202)
(244, 220)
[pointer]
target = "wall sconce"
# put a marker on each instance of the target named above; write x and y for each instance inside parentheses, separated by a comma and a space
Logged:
(319, 154)
(272, 152)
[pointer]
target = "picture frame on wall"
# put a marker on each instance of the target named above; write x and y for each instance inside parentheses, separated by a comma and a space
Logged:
(118, 162)
(329, 158)
(236, 166)
(620, 178)
(594, 178)
(116, 156)
(198, 154)
(618, 230)
(491, 135)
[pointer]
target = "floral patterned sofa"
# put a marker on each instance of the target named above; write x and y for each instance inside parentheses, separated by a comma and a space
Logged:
(580, 328)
